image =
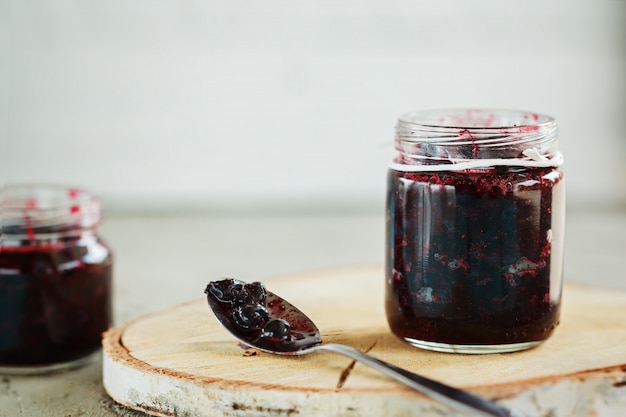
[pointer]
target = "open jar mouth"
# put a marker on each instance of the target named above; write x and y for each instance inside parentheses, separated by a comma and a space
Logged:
(34, 210)
(457, 135)
(484, 119)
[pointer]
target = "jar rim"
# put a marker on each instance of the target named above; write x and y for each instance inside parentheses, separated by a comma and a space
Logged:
(484, 119)
(32, 209)
(475, 137)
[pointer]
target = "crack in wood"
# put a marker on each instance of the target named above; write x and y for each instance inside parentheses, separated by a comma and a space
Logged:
(343, 377)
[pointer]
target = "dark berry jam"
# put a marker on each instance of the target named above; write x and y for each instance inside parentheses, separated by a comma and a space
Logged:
(260, 318)
(55, 301)
(55, 278)
(474, 257)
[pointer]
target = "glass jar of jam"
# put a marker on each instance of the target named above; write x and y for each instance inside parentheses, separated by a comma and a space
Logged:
(475, 219)
(55, 279)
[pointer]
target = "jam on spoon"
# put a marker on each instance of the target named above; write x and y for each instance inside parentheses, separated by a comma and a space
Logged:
(265, 321)
(260, 318)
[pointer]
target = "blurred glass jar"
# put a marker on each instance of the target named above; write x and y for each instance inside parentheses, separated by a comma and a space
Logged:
(475, 219)
(55, 279)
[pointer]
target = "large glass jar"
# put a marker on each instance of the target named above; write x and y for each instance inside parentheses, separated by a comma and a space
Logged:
(55, 279)
(475, 219)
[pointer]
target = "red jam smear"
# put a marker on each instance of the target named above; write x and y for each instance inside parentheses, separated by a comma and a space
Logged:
(55, 301)
(469, 255)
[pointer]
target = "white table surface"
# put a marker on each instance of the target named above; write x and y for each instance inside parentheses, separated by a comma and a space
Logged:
(164, 260)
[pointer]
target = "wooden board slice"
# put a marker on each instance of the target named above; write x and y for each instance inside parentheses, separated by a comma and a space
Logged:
(181, 362)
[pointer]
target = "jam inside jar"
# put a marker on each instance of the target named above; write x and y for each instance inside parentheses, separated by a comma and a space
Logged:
(475, 219)
(55, 279)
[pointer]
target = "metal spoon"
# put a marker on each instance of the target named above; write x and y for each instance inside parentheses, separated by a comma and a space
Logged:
(265, 321)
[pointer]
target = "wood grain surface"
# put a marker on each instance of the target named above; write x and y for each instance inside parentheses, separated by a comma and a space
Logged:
(181, 362)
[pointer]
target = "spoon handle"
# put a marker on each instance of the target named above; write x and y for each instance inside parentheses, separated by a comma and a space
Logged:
(453, 397)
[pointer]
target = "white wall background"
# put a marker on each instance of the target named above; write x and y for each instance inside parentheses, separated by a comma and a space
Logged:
(159, 105)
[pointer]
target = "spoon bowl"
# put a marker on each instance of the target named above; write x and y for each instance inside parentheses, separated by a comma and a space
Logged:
(241, 308)
(265, 321)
